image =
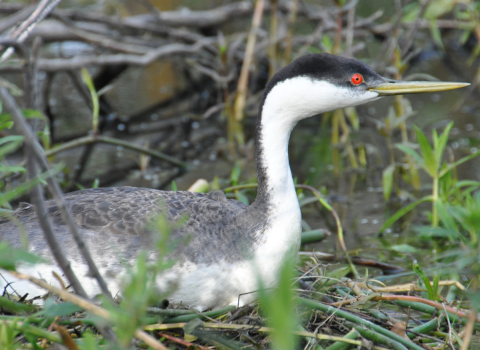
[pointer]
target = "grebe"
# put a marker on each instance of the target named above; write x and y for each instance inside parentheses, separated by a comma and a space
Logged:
(226, 246)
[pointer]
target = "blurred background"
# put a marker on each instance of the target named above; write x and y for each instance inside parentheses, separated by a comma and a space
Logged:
(184, 79)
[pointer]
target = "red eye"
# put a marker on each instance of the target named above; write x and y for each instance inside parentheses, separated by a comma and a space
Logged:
(357, 79)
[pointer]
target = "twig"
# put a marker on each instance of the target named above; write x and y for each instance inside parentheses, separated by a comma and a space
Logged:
(197, 19)
(21, 14)
(88, 306)
(318, 32)
(288, 41)
(37, 194)
(182, 342)
(26, 67)
(105, 41)
(272, 44)
(412, 30)
(449, 340)
(356, 260)
(23, 31)
(113, 141)
(240, 327)
(77, 62)
(40, 158)
(469, 329)
(241, 98)
(350, 29)
(211, 73)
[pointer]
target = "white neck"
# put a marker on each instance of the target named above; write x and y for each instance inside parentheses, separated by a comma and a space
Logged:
(287, 103)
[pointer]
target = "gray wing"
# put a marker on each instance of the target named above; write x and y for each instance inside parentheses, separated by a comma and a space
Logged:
(208, 222)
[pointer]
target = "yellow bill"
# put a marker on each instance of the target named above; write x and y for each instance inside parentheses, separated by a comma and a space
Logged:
(414, 87)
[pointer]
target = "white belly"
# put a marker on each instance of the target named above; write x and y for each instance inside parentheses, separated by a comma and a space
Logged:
(200, 286)
(206, 286)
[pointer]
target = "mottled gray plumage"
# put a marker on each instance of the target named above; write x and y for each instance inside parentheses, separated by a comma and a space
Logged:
(214, 228)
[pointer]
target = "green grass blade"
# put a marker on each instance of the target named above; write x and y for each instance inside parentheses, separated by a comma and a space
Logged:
(457, 163)
(407, 150)
(441, 144)
(87, 79)
(423, 277)
(427, 152)
(387, 179)
(403, 211)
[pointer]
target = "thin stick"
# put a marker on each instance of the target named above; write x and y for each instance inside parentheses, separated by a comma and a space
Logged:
(88, 306)
(412, 30)
(113, 141)
(272, 44)
(155, 327)
(24, 30)
(77, 62)
(241, 98)
(469, 329)
(182, 342)
(39, 156)
(288, 40)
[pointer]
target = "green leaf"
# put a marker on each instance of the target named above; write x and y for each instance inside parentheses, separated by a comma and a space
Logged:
(10, 256)
(87, 79)
(429, 232)
(235, 175)
(15, 307)
(457, 163)
(441, 144)
(403, 211)
(52, 309)
(241, 197)
(34, 114)
(11, 138)
(339, 273)
(327, 43)
(15, 192)
(446, 218)
(89, 341)
(408, 150)
(314, 236)
(6, 125)
(427, 152)
(404, 248)
(387, 180)
(27, 113)
(174, 186)
(436, 35)
(192, 325)
(280, 308)
(11, 169)
(465, 183)
(10, 144)
(423, 277)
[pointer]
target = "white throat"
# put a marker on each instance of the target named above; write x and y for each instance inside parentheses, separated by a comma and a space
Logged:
(287, 103)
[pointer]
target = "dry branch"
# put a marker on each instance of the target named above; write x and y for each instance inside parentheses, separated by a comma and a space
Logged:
(77, 62)
(36, 152)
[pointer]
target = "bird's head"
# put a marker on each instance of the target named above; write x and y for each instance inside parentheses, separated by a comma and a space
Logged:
(319, 83)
